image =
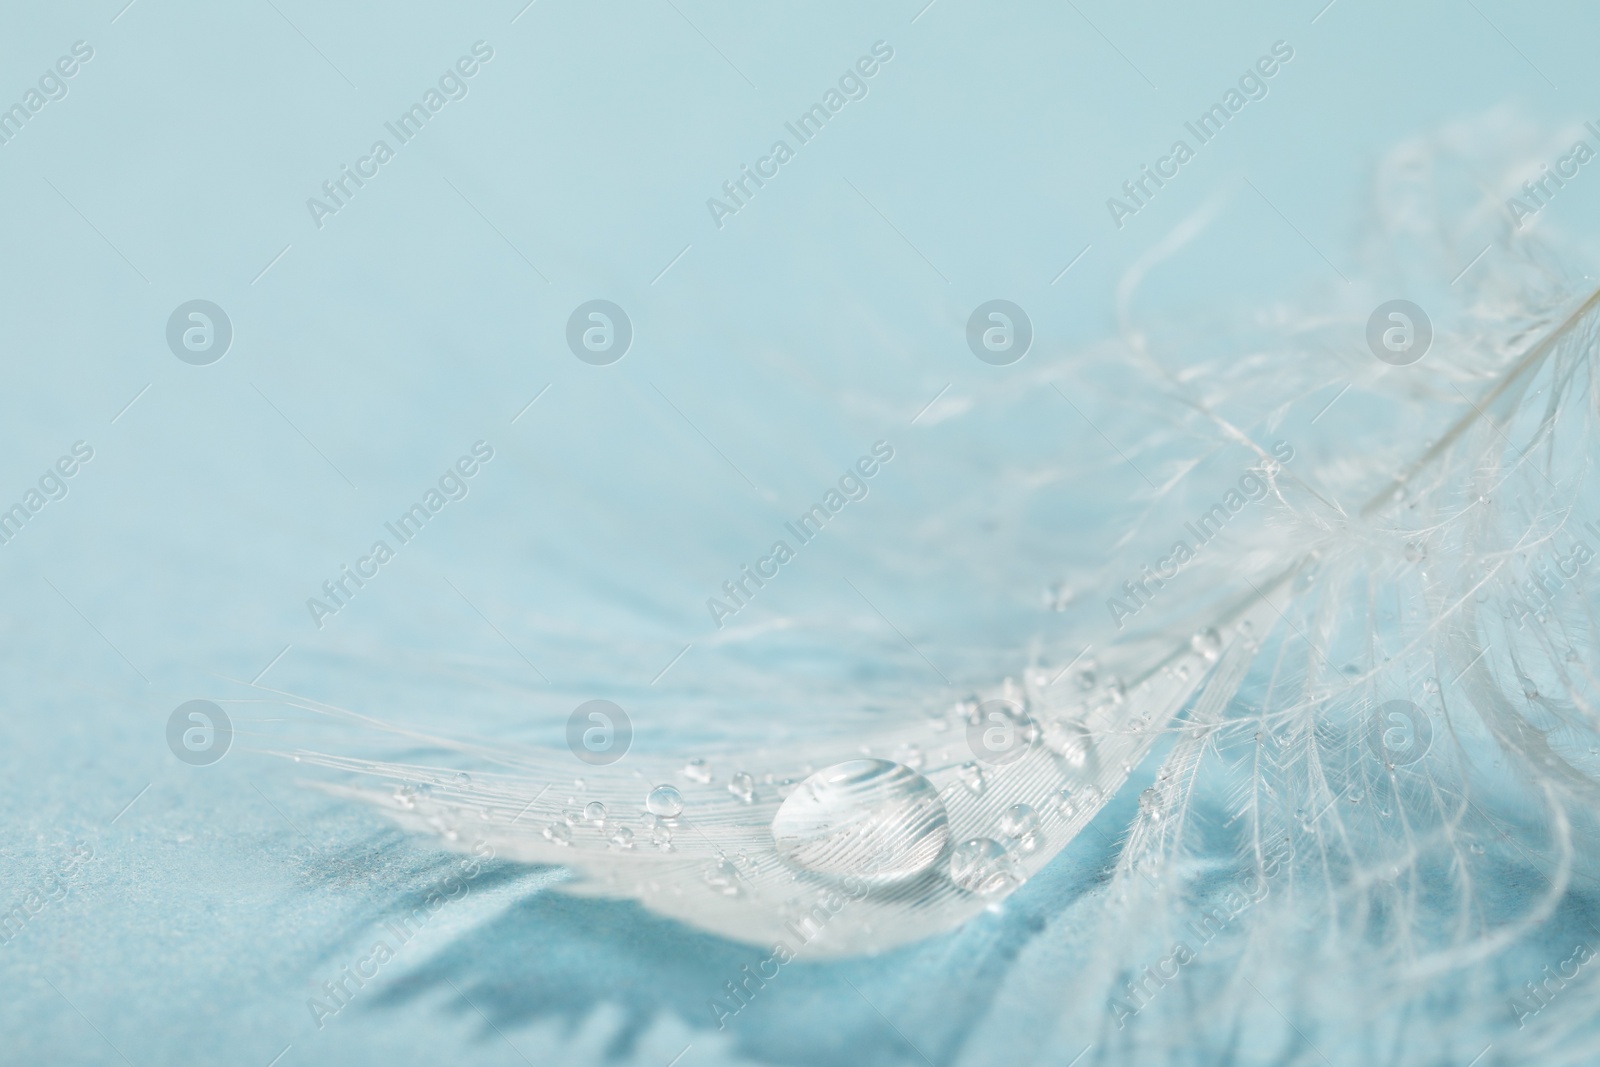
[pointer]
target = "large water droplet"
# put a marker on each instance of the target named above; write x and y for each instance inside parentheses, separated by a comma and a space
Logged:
(664, 802)
(871, 818)
(982, 866)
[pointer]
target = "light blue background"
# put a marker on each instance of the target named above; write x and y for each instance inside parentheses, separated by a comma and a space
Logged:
(789, 340)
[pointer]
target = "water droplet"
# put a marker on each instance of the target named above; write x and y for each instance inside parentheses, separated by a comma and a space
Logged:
(982, 866)
(1415, 551)
(558, 833)
(1065, 802)
(1477, 849)
(723, 877)
(463, 778)
(571, 816)
(697, 770)
(910, 755)
(623, 837)
(406, 796)
(1150, 804)
(1019, 820)
(871, 818)
(972, 777)
(1070, 740)
(662, 838)
(742, 786)
(579, 784)
(595, 812)
(1430, 685)
(664, 802)
(1058, 596)
(1208, 643)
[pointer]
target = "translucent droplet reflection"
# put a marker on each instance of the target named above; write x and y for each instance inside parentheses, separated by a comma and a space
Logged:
(664, 801)
(982, 866)
(871, 818)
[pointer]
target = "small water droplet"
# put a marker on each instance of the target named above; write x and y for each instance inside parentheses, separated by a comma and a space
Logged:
(1430, 685)
(662, 837)
(1058, 596)
(1070, 740)
(870, 818)
(1208, 643)
(1065, 802)
(1477, 849)
(697, 770)
(723, 877)
(595, 812)
(463, 778)
(972, 777)
(406, 796)
(622, 837)
(910, 755)
(1150, 804)
(743, 786)
(982, 866)
(1019, 820)
(579, 784)
(1415, 551)
(664, 802)
(558, 833)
